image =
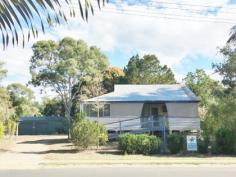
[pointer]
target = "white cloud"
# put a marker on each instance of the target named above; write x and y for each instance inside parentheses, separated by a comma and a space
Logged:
(170, 40)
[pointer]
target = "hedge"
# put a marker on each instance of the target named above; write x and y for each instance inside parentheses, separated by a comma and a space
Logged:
(139, 144)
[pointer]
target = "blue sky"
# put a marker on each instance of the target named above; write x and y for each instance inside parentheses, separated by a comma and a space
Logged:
(184, 43)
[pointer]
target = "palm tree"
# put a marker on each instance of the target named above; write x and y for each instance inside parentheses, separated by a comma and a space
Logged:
(232, 37)
(21, 19)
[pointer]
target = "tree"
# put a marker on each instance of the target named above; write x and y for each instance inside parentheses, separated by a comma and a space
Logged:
(228, 68)
(3, 71)
(232, 38)
(18, 16)
(66, 67)
(209, 92)
(224, 112)
(203, 86)
(112, 76)
(148, 70)
(52, 107)
(23, 100)
(6, 110)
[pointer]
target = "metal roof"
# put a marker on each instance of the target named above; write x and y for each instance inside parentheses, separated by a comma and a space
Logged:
(145, 93)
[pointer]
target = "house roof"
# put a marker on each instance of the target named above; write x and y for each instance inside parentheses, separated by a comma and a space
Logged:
(148, 93)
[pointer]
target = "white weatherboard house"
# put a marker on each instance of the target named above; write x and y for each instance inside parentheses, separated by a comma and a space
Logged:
(146, 107)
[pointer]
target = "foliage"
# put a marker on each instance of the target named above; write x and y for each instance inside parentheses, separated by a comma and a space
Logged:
(3, 71)
(209, 92)
(79, 116)
(6, 110)
(10, 127)
(228, 68)
(203, 86)
(225, 141)
(52, 107)
(139, 144)
(203, 143)
(147, 70)
(85, 133)
(23, 100)
(2, 129)
(66, 67)
(176, 142)
(112, 76)
(27, 17)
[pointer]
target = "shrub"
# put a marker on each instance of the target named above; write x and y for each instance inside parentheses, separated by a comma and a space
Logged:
(127, 143)
(203, 144)
(225, 141)
(10, 127)
(85, 133)
(2, 129)
(139, 144)
(175, 143)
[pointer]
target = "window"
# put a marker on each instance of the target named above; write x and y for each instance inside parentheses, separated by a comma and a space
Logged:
(164, 109)
(91, 110)
(106, 110)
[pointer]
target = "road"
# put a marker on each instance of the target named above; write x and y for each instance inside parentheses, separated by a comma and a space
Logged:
(125, 172)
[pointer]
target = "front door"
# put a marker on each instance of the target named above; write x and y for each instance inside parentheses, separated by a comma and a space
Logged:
(154, 115)
(154, 112)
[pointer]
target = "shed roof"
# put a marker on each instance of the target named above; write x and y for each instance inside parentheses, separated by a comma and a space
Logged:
(148, 93)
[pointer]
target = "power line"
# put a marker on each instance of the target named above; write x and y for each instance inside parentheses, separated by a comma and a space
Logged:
(155, 14)
(202, 9)
(186, 4)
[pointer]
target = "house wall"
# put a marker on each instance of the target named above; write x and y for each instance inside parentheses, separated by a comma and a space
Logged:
(184, 110)
(122, 111)
(183, 116)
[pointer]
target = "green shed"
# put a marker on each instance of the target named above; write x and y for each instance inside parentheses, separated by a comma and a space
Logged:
(45, 125)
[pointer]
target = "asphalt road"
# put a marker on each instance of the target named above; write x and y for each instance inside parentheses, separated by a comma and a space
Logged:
(125, 172)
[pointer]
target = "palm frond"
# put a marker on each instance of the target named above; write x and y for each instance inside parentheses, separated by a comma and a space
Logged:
(22, 19)
(232, 37)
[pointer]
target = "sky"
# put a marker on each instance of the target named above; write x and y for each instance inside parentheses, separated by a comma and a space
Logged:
(185, 35)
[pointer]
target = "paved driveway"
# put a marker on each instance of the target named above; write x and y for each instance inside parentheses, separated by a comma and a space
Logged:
(27, 152)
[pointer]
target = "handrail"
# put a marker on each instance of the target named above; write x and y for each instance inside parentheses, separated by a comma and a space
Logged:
(122, 121)
(177, 117)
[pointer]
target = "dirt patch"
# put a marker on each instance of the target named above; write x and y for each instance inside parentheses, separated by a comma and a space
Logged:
(26, 152)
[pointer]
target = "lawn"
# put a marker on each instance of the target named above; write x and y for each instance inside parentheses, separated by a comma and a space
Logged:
(64, 153)
(57, 151)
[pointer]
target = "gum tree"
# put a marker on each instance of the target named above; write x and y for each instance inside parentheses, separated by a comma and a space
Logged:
(66, 67)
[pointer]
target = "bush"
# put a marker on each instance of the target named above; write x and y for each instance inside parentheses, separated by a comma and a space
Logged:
(225, 141)
(203, 144)
(139, 144)
(2, 129)
(176, 143)
(85, 133)
(10, 127)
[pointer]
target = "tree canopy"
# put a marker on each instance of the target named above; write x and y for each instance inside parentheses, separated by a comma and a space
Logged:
(52, 107)
(203, 86)
(23, 100)
(147, 70)
(227, 69)
(3, 71)
(112, 76)
(65, 67)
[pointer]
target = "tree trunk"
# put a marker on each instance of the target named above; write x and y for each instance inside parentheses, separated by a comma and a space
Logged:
(68, 117)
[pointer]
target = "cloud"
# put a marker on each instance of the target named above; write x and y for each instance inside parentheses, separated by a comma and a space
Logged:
(123, 35)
